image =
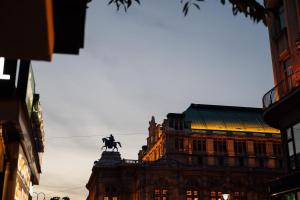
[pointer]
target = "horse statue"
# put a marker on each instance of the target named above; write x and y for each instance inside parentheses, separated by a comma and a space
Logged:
(110, 143)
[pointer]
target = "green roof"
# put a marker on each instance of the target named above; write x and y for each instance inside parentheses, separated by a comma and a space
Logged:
(229, 118)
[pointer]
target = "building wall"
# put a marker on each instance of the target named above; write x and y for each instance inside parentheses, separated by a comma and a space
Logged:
(174, 181)
(181, 147)
(284, 34)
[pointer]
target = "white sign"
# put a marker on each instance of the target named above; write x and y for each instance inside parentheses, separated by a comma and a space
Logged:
(2, 75)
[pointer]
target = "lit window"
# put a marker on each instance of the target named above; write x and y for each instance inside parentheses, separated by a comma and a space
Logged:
(215, 195)
(192, 195)
(160, 194)
(105, 198)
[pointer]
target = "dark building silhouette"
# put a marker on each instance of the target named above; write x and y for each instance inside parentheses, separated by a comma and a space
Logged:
(35, 29)
(21, 130)
(202, 153)
(282, 103)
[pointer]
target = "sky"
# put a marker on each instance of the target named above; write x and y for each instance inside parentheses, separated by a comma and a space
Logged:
(147, 62)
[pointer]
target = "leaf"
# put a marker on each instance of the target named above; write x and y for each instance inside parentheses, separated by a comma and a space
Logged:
(223, 2)
(197, 6)
(110, 2)
(185, 8)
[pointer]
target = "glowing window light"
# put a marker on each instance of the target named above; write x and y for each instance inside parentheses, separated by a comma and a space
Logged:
(2, 75)
(225, 196)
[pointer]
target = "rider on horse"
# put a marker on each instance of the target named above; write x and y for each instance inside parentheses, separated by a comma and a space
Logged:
(111, 138)
(110, 143)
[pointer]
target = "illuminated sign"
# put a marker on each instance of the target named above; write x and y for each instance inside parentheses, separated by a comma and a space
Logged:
(23, 183)
(2, 75)
(23, 171)
(30, 90)
(20, 194)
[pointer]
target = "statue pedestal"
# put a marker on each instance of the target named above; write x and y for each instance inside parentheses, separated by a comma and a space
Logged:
(110, 155)
(109, 158)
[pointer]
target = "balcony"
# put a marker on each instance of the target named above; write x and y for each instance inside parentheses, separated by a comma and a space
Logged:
(281, 103)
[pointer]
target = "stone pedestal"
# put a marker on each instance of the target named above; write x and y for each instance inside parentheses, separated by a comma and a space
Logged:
(109, 158)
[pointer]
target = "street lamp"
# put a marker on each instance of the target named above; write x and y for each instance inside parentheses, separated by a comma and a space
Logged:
(38, 194)
(225, 196)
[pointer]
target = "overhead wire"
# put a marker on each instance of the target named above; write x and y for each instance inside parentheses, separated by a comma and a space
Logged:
(88, 136)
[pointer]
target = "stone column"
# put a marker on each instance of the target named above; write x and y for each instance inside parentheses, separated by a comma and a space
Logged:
(251, 155)
(231, 153)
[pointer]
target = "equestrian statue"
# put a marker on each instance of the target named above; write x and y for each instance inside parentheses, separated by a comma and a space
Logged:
(110, 143)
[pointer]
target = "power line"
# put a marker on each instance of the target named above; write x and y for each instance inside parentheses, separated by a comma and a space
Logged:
(141, 133)
(88, 136)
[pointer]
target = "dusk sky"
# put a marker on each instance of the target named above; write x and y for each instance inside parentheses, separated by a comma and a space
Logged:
(149, 61)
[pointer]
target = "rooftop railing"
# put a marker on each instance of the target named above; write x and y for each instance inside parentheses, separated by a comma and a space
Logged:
(282, 89)
(129, 161)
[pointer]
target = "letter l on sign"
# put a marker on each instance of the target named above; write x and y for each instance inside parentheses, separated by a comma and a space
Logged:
(2, 75)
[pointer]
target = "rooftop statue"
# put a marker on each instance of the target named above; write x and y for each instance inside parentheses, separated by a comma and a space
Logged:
(110, 143)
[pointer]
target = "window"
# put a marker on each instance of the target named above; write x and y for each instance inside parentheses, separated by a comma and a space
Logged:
(279, 22)
(260, 148)
(240, 147)
(112, 198)
(216, 196)
(199, 145)
(179, 144)
(160, 194)
(282, 24)
(192, 195)
(220, 146)
(238, 196)
(293, 134)
(110, 193)
(277, 149)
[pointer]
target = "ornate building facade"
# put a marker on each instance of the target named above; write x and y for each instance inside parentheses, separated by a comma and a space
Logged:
(202, 153)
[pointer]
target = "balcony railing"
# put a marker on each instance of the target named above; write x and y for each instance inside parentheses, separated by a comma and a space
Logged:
(282, 89)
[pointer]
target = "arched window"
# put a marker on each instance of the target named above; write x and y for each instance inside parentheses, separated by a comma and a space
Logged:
(160, 190)
(160, 194)
(192, 194)
(192, 191)
(111, 193)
